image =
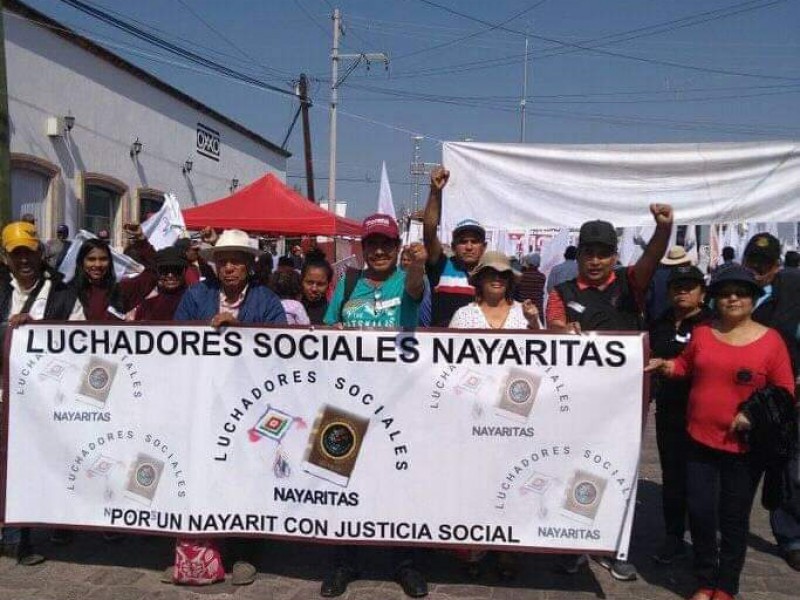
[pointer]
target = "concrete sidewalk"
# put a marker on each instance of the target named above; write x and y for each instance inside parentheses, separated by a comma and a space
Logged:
(91, 569)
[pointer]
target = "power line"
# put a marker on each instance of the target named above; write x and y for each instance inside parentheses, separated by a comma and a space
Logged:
(218, 33)
(514, 17)
(311, 18)
(170, 47)
(575, 46)
(275, 73)
(623, 36)
(490, 101)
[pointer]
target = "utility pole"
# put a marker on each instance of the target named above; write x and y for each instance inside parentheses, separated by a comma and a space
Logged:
(5, 140)
(336, 81)
(337, 29)
(305, 104)
(524, 100)
(418, 170)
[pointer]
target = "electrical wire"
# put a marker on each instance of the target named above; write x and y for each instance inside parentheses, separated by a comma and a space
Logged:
(578, 46)
(311, 17)
(169, 46)
(464, 38)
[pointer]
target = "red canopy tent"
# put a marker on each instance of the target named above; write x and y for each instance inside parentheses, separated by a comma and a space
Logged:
(269, 206)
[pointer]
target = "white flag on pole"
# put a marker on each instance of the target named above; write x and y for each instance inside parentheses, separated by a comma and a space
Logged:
(385, 202)
(124, 265)
(690, 243)
(164, 228)
(552, 251)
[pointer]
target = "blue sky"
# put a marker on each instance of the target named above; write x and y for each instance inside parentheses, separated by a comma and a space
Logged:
(600, 71)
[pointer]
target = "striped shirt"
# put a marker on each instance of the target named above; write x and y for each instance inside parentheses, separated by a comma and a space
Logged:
(451, 289)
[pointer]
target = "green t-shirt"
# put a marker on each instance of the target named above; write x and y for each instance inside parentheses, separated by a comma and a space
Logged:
(383, 305)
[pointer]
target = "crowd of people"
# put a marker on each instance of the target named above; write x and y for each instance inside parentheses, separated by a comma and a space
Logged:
(723, 347)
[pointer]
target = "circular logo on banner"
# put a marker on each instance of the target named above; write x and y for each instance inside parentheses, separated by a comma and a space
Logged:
(585, 493)
(146, 475)
(98, 378)
(519, 391)
(338, 440)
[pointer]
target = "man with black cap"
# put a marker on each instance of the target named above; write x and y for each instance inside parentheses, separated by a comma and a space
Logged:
(449, 276)
(603, 298)
(669, 335)
(779, 308)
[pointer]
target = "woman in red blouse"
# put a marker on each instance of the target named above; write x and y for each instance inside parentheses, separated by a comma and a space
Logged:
(727, 361)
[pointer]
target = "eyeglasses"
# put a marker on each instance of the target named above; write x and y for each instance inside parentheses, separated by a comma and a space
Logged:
(170, 270)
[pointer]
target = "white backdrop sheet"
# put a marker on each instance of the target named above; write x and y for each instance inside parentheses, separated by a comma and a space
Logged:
(522, 185)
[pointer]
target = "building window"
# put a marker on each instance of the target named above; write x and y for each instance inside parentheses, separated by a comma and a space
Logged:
(29, 192)
(101, 209)
(149, 204)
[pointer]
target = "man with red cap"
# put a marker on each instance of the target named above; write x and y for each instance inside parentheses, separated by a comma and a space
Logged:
(379, 296)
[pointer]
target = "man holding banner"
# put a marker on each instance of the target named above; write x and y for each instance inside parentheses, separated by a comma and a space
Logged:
(31, 292)
(603, 298)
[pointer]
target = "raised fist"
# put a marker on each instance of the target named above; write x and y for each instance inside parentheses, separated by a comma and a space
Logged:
(439, 178)
(662, 213)
(417, 253)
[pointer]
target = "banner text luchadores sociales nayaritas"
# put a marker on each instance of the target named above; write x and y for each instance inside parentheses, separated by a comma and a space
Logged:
(520, 440)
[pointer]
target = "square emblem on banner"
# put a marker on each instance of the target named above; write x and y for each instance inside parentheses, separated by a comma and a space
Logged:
(56, 370)
(273, 424)
(583, 496)
(143, 477)
(517, 394)
(95, 382)
(334, 444)
(538, 483)
(102, 466)
(472, 382)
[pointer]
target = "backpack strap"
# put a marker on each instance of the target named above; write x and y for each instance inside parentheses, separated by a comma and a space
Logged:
(33, 295)
(351, 277)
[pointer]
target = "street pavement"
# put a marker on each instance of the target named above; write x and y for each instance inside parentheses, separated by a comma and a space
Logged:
(93, 569)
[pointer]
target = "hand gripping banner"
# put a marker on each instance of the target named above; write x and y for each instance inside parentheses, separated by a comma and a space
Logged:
(526, 441)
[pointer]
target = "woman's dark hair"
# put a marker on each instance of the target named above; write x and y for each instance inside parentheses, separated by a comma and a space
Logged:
(508, 276)
(317, 263)
(81, 280)
(286, 284)
(262, 271)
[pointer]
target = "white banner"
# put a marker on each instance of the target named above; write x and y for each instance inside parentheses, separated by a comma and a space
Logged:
(522, 441)
(523, 185)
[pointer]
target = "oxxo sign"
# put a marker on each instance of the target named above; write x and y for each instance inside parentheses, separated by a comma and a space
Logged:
(208, 142)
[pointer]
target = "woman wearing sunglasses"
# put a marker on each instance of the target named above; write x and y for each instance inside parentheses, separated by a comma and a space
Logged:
(727, 361)
(161, 303)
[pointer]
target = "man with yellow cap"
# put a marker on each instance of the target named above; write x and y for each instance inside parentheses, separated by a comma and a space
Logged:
(29, 291)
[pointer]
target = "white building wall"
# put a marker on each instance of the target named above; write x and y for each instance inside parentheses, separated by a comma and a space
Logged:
(50, 76)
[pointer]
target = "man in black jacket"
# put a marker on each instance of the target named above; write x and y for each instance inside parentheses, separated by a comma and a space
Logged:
(779, 308)
(29, 291)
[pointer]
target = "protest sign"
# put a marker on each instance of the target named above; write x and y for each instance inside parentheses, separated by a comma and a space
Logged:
(525, 441)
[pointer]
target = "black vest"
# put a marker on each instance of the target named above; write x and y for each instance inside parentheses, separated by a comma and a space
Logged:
(612, 309)
(782, 312)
